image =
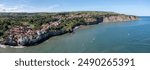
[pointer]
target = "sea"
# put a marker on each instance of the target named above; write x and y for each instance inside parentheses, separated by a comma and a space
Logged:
(119, 37)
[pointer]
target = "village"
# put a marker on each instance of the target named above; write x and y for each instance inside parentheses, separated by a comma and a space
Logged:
(23, 34)
(18, 35)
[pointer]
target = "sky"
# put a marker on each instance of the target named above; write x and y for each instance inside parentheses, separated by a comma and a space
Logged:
(131, 7)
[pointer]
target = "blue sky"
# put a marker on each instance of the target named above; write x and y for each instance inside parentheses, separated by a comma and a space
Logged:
(132, 7)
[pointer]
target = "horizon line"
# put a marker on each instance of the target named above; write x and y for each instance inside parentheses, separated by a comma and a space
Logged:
(66, 11)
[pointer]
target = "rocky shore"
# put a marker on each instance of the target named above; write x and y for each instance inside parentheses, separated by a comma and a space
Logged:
(26, 36)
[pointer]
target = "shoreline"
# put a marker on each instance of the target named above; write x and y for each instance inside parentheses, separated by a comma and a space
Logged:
(75, 28)
(44, 33)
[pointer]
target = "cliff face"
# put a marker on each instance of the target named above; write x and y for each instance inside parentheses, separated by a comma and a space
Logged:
(26, 36)
(28, 41)
(119, 18)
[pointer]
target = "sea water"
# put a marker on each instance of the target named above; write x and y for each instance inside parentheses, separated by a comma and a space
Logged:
(120, 37)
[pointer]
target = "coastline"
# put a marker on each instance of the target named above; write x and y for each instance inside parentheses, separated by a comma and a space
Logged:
(44, 34)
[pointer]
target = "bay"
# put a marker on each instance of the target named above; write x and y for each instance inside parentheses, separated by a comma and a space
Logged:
(120, 37)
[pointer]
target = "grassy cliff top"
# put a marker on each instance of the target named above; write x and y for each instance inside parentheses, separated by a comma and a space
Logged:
(36, 20)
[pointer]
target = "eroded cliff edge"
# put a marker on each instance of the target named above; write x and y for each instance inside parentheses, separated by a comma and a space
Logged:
(25, 35)
(119, 18)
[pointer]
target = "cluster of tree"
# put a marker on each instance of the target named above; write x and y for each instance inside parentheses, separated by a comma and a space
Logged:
(35, 20)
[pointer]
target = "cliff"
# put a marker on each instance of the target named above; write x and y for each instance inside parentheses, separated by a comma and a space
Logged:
(24, 35)
(119, 18)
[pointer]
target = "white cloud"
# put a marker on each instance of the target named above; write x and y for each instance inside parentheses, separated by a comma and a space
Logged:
(26, 8)
(53, 6)
(5, 8)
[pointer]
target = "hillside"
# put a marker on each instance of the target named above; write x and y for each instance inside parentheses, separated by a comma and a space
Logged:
(33, 28)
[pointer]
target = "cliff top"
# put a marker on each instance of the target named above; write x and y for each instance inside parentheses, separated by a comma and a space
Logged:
(25, 28)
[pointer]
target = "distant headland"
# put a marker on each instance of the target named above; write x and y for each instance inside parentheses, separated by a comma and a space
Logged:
(26, 29)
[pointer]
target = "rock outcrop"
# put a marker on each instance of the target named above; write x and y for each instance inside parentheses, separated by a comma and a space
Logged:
(119, 18)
